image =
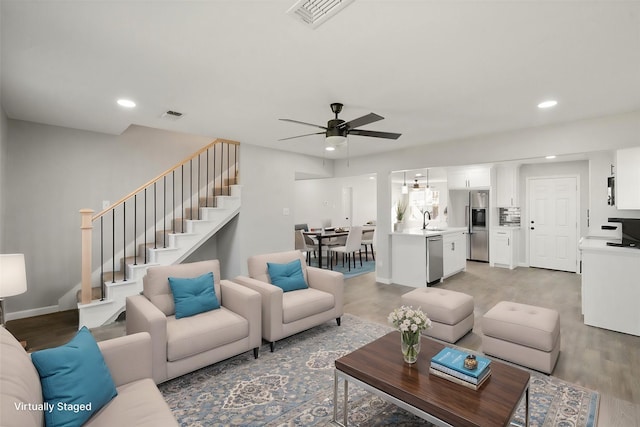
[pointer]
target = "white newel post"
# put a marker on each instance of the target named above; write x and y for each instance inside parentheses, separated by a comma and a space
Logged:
(86, 227)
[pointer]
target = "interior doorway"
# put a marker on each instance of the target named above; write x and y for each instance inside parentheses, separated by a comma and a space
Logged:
(347, 206)
(553, 223)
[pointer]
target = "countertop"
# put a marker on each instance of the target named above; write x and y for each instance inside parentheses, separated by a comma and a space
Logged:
(418, 232)
(599, 244)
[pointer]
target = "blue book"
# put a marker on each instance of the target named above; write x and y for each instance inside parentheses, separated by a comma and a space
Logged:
(460, 375)
(454, 359)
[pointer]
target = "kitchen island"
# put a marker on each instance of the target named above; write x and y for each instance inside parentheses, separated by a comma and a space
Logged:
(610, 286)
(409, 254)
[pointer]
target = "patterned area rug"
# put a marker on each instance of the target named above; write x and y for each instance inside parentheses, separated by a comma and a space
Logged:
(294, 387)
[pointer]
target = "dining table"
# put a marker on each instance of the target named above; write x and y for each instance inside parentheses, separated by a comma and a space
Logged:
(324, 234)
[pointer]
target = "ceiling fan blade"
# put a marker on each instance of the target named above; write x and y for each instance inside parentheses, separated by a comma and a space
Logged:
(303, 123)
(375, 134)
(300, 136)
(361, 121)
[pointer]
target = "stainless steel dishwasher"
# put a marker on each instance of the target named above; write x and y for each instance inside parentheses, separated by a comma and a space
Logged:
(434, 259)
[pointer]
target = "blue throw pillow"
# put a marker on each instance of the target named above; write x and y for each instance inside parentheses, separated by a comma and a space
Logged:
(76, 381)
(193, 295)
(288, 276)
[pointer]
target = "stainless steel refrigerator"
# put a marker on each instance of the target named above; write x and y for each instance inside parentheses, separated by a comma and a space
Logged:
(477, 222)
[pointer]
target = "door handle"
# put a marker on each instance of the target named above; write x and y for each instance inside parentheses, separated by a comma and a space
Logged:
(532, 228)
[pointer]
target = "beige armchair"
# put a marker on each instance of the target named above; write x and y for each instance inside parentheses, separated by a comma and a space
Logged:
(189, 343)
(287, 313)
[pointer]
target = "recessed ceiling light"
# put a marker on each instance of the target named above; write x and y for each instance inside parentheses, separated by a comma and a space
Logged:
(550, 157)
(330, 148)
(548, 104)
(127, 103)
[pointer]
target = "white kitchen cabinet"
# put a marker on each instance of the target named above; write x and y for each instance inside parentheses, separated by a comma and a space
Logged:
(503, 247)
(469, 177)
(508, 179)
(628, 178)
(610, 291)
(454, 256)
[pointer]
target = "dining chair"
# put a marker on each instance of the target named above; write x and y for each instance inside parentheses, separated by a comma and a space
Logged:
(353, 244)
(368, 239)
(305, 245)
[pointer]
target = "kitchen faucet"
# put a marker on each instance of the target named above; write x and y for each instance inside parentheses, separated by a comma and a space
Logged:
(424, 219)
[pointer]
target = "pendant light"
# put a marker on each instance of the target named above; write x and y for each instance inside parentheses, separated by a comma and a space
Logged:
(405, 189)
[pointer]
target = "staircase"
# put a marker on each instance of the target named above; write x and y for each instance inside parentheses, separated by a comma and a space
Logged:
(160, 223)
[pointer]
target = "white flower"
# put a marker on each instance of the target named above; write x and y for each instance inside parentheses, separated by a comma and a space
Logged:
(409, 319)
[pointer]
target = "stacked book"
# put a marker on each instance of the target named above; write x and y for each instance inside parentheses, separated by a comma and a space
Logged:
(449, 363)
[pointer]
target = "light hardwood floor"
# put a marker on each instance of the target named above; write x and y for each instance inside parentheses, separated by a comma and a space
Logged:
(595, 358)
(601, 360)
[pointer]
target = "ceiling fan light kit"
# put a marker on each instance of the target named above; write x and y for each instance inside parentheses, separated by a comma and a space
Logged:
(335, 140)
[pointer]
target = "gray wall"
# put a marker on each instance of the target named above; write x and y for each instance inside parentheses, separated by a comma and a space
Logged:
(4, 143)
(53, 172)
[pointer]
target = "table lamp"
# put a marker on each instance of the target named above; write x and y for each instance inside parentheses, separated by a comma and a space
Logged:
(13, 278)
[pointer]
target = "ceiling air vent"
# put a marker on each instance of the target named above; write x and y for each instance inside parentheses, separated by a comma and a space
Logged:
(315, 12)
(171, 115)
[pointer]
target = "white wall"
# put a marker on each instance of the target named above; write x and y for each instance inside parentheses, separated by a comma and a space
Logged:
(585, 136)
(320, 200)
(599, 170)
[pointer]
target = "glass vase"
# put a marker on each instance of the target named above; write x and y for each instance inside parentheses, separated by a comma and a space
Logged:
(410, 344)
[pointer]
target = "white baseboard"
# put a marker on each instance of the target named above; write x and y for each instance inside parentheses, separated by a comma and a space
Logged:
(32, 312)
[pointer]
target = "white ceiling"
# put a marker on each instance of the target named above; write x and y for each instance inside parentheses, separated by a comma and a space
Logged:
(436, 70)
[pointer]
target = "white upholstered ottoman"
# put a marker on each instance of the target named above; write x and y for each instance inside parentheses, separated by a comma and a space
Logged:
(522, 334)
(451, 312)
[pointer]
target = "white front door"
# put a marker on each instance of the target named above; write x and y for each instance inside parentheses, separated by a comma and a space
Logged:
(553, 225)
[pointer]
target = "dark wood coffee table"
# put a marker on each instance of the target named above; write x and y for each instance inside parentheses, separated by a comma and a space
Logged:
(378, 368)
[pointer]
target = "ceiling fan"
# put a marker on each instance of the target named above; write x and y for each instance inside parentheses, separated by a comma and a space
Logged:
(417, 186)
(336, 130)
